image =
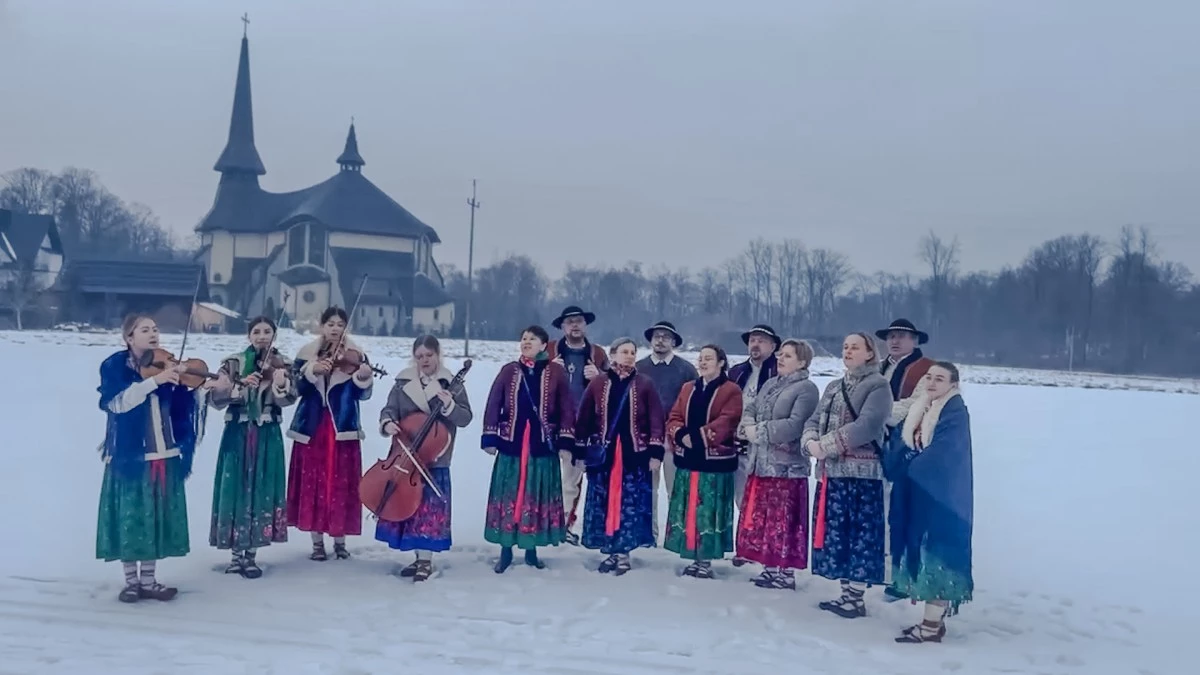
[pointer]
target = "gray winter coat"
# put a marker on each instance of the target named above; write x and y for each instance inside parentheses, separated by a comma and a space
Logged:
(846, 440)
(409, 396)
(778, 413)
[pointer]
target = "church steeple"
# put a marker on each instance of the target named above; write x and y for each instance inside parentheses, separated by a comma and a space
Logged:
(350, 160)
(240, 157)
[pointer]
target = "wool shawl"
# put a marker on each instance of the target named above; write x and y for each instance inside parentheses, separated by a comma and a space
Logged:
(126, 434)
(933, 501)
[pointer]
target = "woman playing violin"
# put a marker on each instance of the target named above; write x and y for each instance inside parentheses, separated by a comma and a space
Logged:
(149, 441)
(249, 507)
(326, 466)
(415, 389)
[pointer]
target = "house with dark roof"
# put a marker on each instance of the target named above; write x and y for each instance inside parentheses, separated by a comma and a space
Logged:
(31, 259)
(306, 250)
(101, 290)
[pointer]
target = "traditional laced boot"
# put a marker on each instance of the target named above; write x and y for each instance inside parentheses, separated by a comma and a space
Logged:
(157, 591)
(318, 552)
(763, 577)
(531, 559)
(236, 564)
(778, 579)
(424, 570)
(410, 571)
(623, 565)
(339, 550)
(250, 568)
(926, 631)
(131, 593)
(739, 561)
(572, 538)
(849, 606)
(608, 565)
(506, 559)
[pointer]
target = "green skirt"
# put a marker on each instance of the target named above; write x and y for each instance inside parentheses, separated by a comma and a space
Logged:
(249, 506)
(712, 517)
(934, 581)
(144, 517)
(539, 519)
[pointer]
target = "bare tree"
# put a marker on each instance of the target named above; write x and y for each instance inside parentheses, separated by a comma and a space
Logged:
(942, 258)
(28, 190)
(21, 290)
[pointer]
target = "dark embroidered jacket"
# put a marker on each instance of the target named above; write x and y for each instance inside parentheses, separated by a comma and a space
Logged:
(539, 394)
(708, 416)
(343, 393)
(907, 374)
(740, 374)
(642, 420)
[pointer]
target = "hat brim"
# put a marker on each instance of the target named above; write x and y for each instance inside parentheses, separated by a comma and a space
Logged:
(588, 317)
(922, 336)
(746, 337)
(649, 332)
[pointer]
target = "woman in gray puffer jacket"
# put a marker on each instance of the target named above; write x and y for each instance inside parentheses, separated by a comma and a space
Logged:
(844, 434)
(773, 529)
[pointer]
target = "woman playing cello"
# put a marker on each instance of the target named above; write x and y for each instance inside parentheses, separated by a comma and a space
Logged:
(326, 466)
(428, 530)
(249, 508)
(148, 446)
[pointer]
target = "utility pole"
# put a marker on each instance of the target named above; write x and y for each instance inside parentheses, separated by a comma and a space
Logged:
(474, 204)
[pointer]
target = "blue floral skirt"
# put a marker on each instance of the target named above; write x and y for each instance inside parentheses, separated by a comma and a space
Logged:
(854, 532)
(429, 527)
(636, 526)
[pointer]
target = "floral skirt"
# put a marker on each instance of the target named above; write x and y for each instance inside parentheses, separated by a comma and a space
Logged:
(853, 529)
(322, 494)
(525, 509)
(143, 517)
(773, 529)
(631, 518)
(700, 517)
(249, 505)
(429, 528)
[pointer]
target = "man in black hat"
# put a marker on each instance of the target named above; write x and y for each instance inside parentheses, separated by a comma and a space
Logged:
(583, 361)
(904, 367)
(669, 375)
(761, 342)
(905, 364)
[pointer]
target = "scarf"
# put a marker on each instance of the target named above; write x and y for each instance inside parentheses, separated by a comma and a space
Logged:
(528, 363)
(249, 365)
(621, 371)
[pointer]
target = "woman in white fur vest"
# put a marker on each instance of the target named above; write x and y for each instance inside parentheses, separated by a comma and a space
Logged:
(929, 461)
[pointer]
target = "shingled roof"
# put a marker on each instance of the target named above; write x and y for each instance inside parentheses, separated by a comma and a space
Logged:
(136, 277)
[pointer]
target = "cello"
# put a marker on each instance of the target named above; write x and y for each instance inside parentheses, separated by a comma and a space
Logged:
(393, 488)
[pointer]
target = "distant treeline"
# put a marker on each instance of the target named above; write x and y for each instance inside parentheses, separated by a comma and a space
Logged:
(1075, 301)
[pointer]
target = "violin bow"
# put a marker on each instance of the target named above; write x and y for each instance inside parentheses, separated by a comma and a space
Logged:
(191, 314)
(341, 341)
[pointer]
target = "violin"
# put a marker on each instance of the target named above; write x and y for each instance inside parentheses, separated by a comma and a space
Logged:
(156, 361)
(347, 359)
(267, 361)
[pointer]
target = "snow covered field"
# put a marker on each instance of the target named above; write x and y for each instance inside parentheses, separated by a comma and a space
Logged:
(1085, 552)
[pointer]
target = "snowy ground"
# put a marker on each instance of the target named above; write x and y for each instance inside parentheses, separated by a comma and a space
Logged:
(1085, 549)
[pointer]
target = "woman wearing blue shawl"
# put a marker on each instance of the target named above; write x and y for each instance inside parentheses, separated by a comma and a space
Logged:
(150, 437)
(929, 460)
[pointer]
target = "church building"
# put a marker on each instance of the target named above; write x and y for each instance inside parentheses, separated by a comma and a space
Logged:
(303, 251)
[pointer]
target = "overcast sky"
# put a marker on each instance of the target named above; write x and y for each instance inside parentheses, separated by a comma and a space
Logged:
(663, 131)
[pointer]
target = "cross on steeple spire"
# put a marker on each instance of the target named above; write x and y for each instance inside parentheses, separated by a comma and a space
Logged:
(240, 157)
(245, 23)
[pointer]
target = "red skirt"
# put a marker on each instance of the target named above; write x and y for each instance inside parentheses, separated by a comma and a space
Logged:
(773, 528)
(322, 491)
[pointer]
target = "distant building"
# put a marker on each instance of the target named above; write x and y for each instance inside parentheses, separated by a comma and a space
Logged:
(31, 263)
(29, 244)
(303, 251)
(102, 290)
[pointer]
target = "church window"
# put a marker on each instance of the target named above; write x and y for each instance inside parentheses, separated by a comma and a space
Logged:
(435, 315)
(306, 244)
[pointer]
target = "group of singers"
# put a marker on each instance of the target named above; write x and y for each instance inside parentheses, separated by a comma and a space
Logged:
(562, 410)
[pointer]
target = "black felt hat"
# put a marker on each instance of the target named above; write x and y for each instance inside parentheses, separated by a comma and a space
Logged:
(906, 326)
(571, 311)
(667, 326)
(765, 330)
